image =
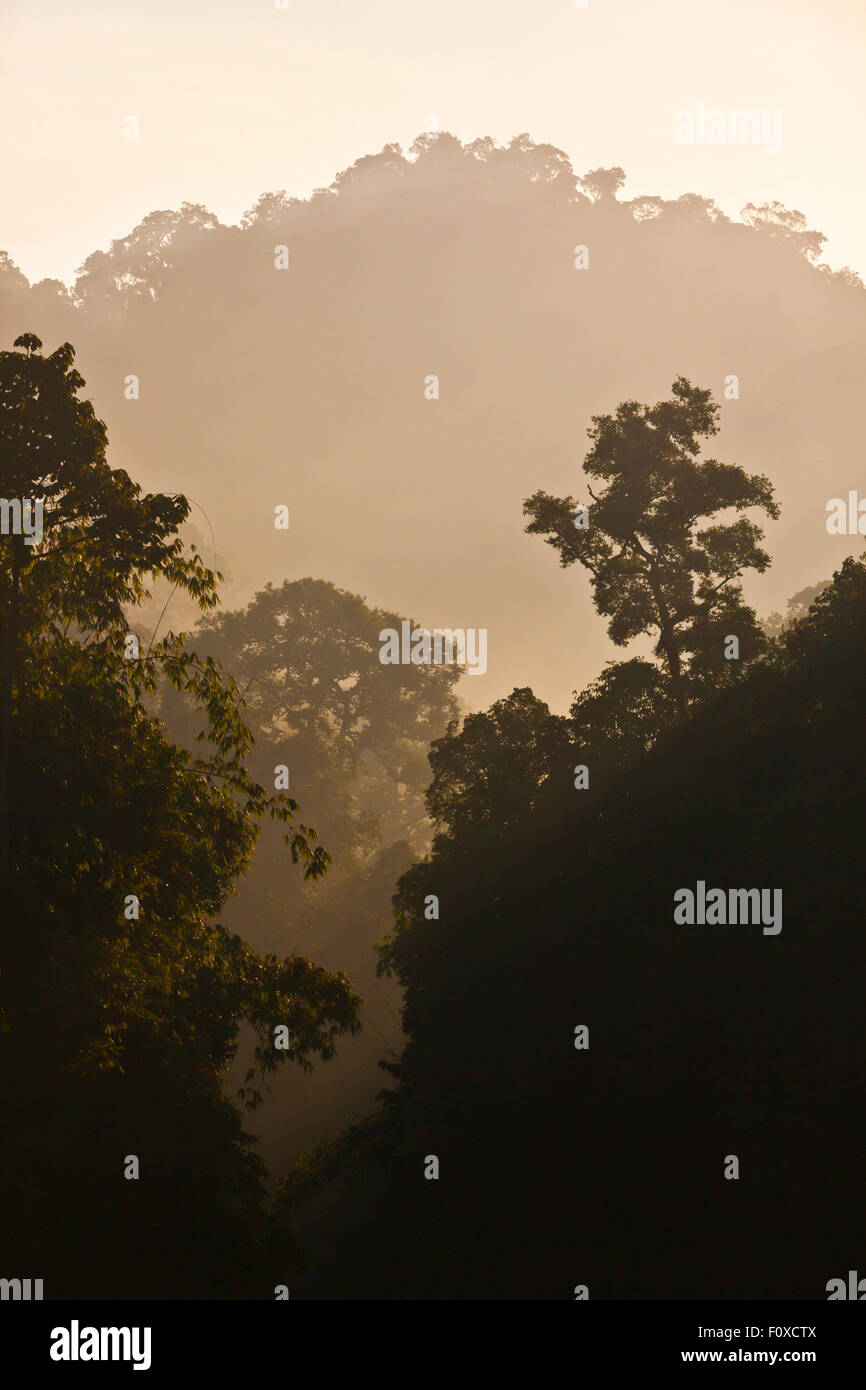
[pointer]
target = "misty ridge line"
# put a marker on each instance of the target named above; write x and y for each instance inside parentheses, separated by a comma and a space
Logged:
(540, 165)
(451, 264)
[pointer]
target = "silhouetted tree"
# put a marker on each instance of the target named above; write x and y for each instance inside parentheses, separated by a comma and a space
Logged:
(603, 184)
(488, 773)
(306, 655)
(654, 566)
(603, 1159)
(621, 713)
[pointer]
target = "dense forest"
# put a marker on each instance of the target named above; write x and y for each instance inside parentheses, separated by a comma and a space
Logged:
(569, 1069)
(256, 385)
(330, 978)
(582, 1067)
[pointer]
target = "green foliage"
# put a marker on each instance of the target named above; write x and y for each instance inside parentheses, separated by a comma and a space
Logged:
(99, 1001)
(102, 537)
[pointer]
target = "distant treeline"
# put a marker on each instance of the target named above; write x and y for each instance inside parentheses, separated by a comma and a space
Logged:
(305, 386)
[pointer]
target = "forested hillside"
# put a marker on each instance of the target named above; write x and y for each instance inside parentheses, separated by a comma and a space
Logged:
(603, 1164)
(287, 360)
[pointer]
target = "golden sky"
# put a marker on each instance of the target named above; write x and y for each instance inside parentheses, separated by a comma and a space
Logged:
(235, 97)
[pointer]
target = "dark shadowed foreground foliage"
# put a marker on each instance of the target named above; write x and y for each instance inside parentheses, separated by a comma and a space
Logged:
(121, 993)
(605, 1167)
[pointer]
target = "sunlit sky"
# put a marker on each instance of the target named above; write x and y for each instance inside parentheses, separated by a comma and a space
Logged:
(235, 97)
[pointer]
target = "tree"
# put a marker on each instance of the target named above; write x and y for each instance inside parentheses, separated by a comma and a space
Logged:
(136, 267)
(685, 1023)
(100, 534)
(620, 714)
(64, 600)
(122, 993)
(496, 782)
(602, 185)
(488, 773)
(797, 607)
(786, 224)
(353, 735)
(656, 565)
(307, 656)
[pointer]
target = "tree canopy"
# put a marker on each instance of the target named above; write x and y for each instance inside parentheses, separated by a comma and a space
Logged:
(659, 560)
(122, 994)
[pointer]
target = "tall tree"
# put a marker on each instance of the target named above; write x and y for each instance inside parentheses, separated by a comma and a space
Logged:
(122, 993)
(64, 601)
(307, 656)
(100, 536)
(656, 564)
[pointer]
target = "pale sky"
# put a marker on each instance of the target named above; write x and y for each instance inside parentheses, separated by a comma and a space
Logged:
(236, 97)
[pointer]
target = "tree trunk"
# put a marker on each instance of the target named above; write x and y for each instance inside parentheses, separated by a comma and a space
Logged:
(667, 630)
(669, 647)
(668, 644)
(10, 651)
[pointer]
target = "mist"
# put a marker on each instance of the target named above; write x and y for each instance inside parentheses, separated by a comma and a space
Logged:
(430, 691)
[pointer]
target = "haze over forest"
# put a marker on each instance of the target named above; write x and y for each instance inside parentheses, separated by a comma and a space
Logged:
(327, 976)
(306, 387)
